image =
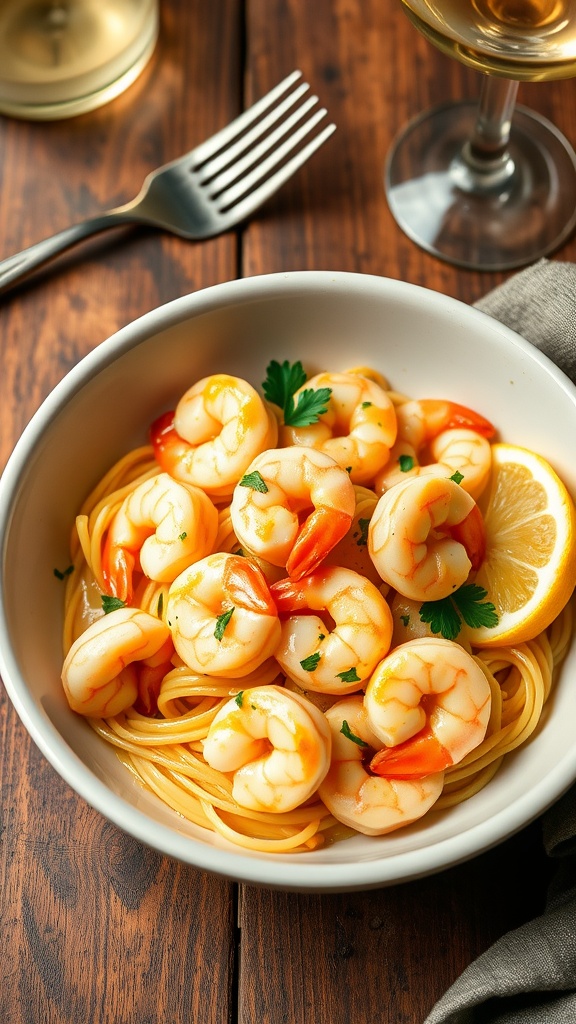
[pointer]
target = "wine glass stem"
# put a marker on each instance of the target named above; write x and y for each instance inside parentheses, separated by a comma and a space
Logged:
(485, 155)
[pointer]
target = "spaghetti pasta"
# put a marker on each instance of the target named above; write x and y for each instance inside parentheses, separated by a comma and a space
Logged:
(164, 748)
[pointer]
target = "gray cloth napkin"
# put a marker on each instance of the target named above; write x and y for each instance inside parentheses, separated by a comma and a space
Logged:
(529, 975)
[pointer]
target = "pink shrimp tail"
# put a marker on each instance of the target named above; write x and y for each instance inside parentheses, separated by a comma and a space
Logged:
(117, 569)
(246, 586)
(421, 755)
(471, 533)
(322, 530)
(445, 415)
(169, 448)
(292, 595)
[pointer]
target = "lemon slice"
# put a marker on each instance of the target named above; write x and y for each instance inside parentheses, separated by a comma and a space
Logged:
(529, 571)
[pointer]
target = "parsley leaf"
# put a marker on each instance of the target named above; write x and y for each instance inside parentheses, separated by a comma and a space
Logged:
(350, 676)
(363, 537)
(255, 480)
(347, 732)
(467, 603)
(442, 617)
(310, 663)
(406, 463)
(457, 477)
(110, 604)
(62, 575)
(239, 698)
(221, 623)
(282, 382)
(469, 599)
(310, 406)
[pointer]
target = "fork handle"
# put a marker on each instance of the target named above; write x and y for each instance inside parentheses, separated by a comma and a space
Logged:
(15, 267)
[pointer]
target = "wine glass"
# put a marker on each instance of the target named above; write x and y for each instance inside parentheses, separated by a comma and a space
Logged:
(59, 58)
(489, 186)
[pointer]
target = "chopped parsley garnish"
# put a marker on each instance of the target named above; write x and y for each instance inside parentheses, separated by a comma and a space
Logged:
(221, 623)
(363, 535)
(62, 575)
(239, 698)
(467, 603)
(350, 676)
(405, 619)
(282, 381)
(110, 604)
(183, 535)
(366, 405)
(347, 732)
(310, 663)
(406, 463)
(457, 477)
(255, 480)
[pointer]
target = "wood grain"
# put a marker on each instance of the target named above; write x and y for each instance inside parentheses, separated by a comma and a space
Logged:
(95, 927)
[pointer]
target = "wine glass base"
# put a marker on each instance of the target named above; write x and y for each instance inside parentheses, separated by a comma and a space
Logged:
(508, 220)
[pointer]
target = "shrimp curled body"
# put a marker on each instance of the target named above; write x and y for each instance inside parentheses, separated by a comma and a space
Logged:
(358, 428)
(429, 702)
(331, 660)
(106, 668)
(425, 536)
(366, 802)
(459, 450)
(222, 617)
(162, 525)
(275, 742)
(220, 424)
(292, 507)
(421, 420)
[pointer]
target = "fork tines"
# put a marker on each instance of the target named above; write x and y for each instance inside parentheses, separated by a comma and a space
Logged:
(254, 154)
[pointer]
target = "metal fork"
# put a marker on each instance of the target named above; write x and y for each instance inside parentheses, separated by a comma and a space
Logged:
(214, 186)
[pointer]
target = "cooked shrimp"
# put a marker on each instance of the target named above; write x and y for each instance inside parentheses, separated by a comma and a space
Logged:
(429, 702)
(161, 527)
(292, 507)
(226, 540)
(420, 420)
(467, 453)
(337, 651)
(119, 659)
(220, 424)
(365, 802)
(425, 536)
(358, 428)
(276, 744)
(222, 617)
(459, 450)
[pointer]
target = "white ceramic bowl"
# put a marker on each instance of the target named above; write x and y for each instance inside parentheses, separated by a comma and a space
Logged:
(427, 345)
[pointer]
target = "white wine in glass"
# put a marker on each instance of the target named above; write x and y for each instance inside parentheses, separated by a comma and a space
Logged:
(489, 186)
(59, 58)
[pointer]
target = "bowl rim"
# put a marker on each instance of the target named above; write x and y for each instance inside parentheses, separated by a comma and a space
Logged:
(229, 862)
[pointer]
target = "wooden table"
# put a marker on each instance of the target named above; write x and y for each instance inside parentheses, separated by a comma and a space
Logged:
(93, 926)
